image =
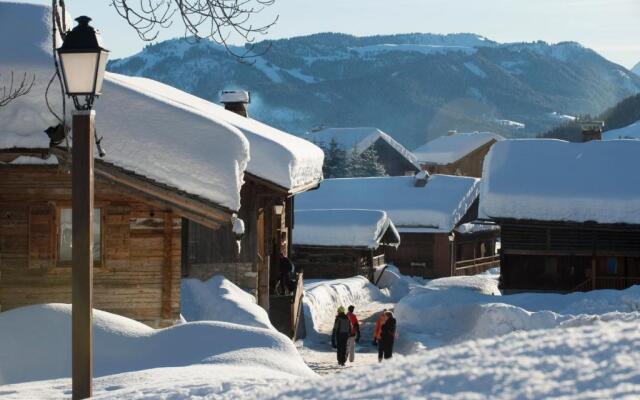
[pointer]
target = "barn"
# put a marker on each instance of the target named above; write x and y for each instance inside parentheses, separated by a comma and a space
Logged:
(456, 153)
(333, 244)
(426, 211)
(570, 222)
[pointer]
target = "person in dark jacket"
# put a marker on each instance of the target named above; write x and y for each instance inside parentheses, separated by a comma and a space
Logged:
(287, 274)
(387, 336)
(340, 335)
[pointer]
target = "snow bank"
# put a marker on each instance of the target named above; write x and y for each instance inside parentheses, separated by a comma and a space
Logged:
(344, 228)
(579, 182)
(438, 205)
(598, 361)
(628, 132)
(466, 308)
(121, 344)
(218, 299)
(322, 299)
(393, 284)
(448, 149)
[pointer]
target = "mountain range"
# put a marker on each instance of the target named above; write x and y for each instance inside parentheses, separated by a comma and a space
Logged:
(413, 86)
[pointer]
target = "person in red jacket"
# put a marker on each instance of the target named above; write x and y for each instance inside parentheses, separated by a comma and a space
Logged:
(354, 336)
(378, 329)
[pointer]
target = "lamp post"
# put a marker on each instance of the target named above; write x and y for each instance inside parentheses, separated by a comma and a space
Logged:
(83, 62)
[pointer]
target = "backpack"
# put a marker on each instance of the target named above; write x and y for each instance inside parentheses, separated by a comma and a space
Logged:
(343, 326)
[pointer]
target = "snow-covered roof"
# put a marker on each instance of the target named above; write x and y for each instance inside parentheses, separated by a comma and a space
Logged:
(276, 156)
(157, 135)
(448, 149)
(359, 139)
(554, 180)
(628, 132)
(344, 228)
(439, 205)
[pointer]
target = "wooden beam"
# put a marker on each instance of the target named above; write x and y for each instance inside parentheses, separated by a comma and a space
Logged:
(167, 267)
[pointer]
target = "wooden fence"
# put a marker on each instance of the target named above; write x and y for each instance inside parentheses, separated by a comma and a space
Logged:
(476, 265)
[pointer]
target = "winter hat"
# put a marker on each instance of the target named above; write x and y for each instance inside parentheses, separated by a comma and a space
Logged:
(341, 310)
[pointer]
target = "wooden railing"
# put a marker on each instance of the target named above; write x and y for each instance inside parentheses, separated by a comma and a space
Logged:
(476, 265)
(296, 307)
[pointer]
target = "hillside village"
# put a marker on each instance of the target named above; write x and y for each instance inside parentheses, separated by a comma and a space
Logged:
(222, 247)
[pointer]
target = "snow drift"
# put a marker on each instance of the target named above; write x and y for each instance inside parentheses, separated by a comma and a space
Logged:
(322, 299)
(218, 299)
(37, 341)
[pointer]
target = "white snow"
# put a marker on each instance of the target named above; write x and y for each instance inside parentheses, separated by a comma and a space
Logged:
(553, 180)
(470, 227)
(323, 297)
(631, 131)
(155, 134)
(510, 124)
(393, 284)
(562, 117)
(438, 205)
(636, 69)
(358, 140)
(218, 299)
(278, 157)
(448, 149)
(122, 344)
(474, 69)
(343, 228)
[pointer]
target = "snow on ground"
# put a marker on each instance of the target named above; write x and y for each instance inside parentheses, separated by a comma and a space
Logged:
(590, 362)
(123, 345)
(631, 131)
(218, 299)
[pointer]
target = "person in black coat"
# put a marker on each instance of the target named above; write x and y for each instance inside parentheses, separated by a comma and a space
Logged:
(387, 336)
(340, 335)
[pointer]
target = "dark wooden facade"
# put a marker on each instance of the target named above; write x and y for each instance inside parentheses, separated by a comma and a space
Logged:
(395, 164)
(469, 165)
(564, 256)
(437, 255)
(267, 213)
(138, 271)
(337, 262)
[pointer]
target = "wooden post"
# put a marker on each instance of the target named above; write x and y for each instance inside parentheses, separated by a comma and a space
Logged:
(82, 253)
(167, 272)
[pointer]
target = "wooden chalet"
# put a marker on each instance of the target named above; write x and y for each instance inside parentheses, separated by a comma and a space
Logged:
(456, 153)
(426, 211)
(164, 162)
(396, 159)
(333, 244)
(280, 167)
(570, 223)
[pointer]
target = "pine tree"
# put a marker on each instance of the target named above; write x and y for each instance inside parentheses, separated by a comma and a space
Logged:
(335, 160)
(365, 164)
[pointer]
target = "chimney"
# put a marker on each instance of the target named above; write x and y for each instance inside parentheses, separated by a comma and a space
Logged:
(420, 179)
(236, 101)
(592, 130)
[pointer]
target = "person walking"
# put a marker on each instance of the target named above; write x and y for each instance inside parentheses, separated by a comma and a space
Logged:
(354, 335)
(340, 335)
(387, 336)
(378, 328)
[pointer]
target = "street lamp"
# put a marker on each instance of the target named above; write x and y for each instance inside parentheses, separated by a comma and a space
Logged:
(83, 61)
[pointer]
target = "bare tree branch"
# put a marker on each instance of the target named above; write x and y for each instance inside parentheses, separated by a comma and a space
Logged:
(217, 20)
(10, 93)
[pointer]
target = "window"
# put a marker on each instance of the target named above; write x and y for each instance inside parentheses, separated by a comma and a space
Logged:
(66, 236)
(612, 265)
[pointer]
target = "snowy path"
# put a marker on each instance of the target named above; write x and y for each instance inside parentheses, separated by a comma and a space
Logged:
(321, 357)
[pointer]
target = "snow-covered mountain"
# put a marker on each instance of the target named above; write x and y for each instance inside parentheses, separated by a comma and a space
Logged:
(414, 86)
(636, 69)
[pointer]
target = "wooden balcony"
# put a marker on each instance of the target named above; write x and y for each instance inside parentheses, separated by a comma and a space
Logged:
(476, 265)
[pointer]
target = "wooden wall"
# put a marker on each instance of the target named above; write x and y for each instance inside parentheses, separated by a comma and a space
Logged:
(470, 165)
(394, 163)
(336, 262)
(138, 273)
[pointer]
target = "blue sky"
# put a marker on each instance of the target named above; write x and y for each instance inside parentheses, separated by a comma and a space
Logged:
(611, 27)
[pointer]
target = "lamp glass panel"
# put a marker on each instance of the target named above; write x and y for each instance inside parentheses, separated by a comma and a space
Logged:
(104, 57)
(79, 71)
